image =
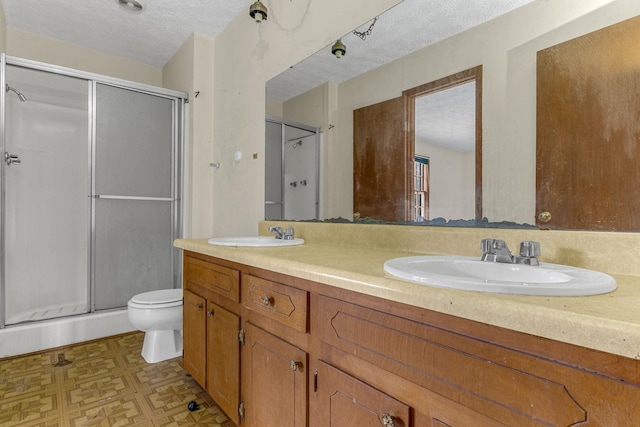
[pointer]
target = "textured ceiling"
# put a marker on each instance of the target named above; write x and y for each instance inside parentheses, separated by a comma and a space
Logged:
(403, 29)
(448, 118)
(154, 36)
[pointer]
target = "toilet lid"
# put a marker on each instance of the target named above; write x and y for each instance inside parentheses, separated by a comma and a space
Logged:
(162, 296)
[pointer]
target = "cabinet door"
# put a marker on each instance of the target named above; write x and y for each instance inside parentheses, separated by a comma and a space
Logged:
(223, 359)
(274, 381)
(345, 401)
(194, 336)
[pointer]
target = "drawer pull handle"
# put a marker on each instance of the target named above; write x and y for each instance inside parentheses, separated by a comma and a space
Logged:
(267, 300)
(199, 306)
(388, 420)
(294, 364)
(209, 313)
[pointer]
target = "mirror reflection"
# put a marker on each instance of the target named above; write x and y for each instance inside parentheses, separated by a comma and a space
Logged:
(292, 160)
(445, 153)
(506, 47)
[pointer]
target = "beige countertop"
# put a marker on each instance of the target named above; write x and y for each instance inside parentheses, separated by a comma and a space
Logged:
(608, 322)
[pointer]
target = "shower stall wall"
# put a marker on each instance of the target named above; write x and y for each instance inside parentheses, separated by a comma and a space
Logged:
(90, 192)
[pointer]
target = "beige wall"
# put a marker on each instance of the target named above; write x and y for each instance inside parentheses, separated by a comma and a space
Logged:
(310, 108)
(190, 70)
(451, 172)
(274, 108)
(31, 46)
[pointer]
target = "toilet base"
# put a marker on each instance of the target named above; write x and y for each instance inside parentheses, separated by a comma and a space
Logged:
(161, 345)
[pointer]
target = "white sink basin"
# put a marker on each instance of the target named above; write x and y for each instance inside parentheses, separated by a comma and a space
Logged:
(469, 273)
(254, 242)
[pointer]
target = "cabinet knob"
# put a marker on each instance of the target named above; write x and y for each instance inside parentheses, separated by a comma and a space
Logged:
(199, 306)
(294, 364)
(209, 313)
(388, 420)
(544, 217)
(266, 300)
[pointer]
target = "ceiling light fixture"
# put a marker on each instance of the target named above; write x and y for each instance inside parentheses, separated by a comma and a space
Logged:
(258, 11)
(135, 6)
(339, 49)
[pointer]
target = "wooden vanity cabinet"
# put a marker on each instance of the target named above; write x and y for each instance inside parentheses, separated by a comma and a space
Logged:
(274, 367)
(455, 372)
(211, 324)
(319, 356)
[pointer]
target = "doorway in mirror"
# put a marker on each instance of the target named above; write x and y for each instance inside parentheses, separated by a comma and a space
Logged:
(444, 133)
(446, 118)
(440, 120)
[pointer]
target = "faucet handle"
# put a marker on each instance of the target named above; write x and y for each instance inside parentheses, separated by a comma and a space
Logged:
(487, 246)
(288, 235)
(491, 245)
(530, 248)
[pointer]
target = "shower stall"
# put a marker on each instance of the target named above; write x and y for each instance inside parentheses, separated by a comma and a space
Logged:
(292, 164)
(90, 200)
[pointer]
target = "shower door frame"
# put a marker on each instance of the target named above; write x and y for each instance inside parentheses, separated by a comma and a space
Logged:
(179, 135)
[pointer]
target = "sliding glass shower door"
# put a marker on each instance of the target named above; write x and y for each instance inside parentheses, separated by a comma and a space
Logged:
(46, 183)
(134, 195)
(90, 180)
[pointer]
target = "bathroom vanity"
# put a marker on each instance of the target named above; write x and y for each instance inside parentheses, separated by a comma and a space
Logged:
(319, 335)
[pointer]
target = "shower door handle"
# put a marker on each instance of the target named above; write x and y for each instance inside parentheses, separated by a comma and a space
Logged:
(11, 159)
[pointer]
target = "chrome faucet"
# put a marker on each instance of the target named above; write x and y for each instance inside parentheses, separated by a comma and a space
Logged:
(277, 231)
(496, 250)
(285, 235)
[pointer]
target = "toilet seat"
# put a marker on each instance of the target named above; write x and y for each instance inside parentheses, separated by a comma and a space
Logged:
(157, 299)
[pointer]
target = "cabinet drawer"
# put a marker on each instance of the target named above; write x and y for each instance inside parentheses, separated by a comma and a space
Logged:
(221, 280)
(276, 301)
(505, 386)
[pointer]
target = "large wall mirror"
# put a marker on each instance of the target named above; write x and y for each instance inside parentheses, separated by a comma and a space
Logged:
(506, 48)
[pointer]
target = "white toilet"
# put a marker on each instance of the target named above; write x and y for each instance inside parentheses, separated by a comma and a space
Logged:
(159, 315)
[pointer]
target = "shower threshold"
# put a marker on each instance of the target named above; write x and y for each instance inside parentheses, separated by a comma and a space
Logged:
(46, 313)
